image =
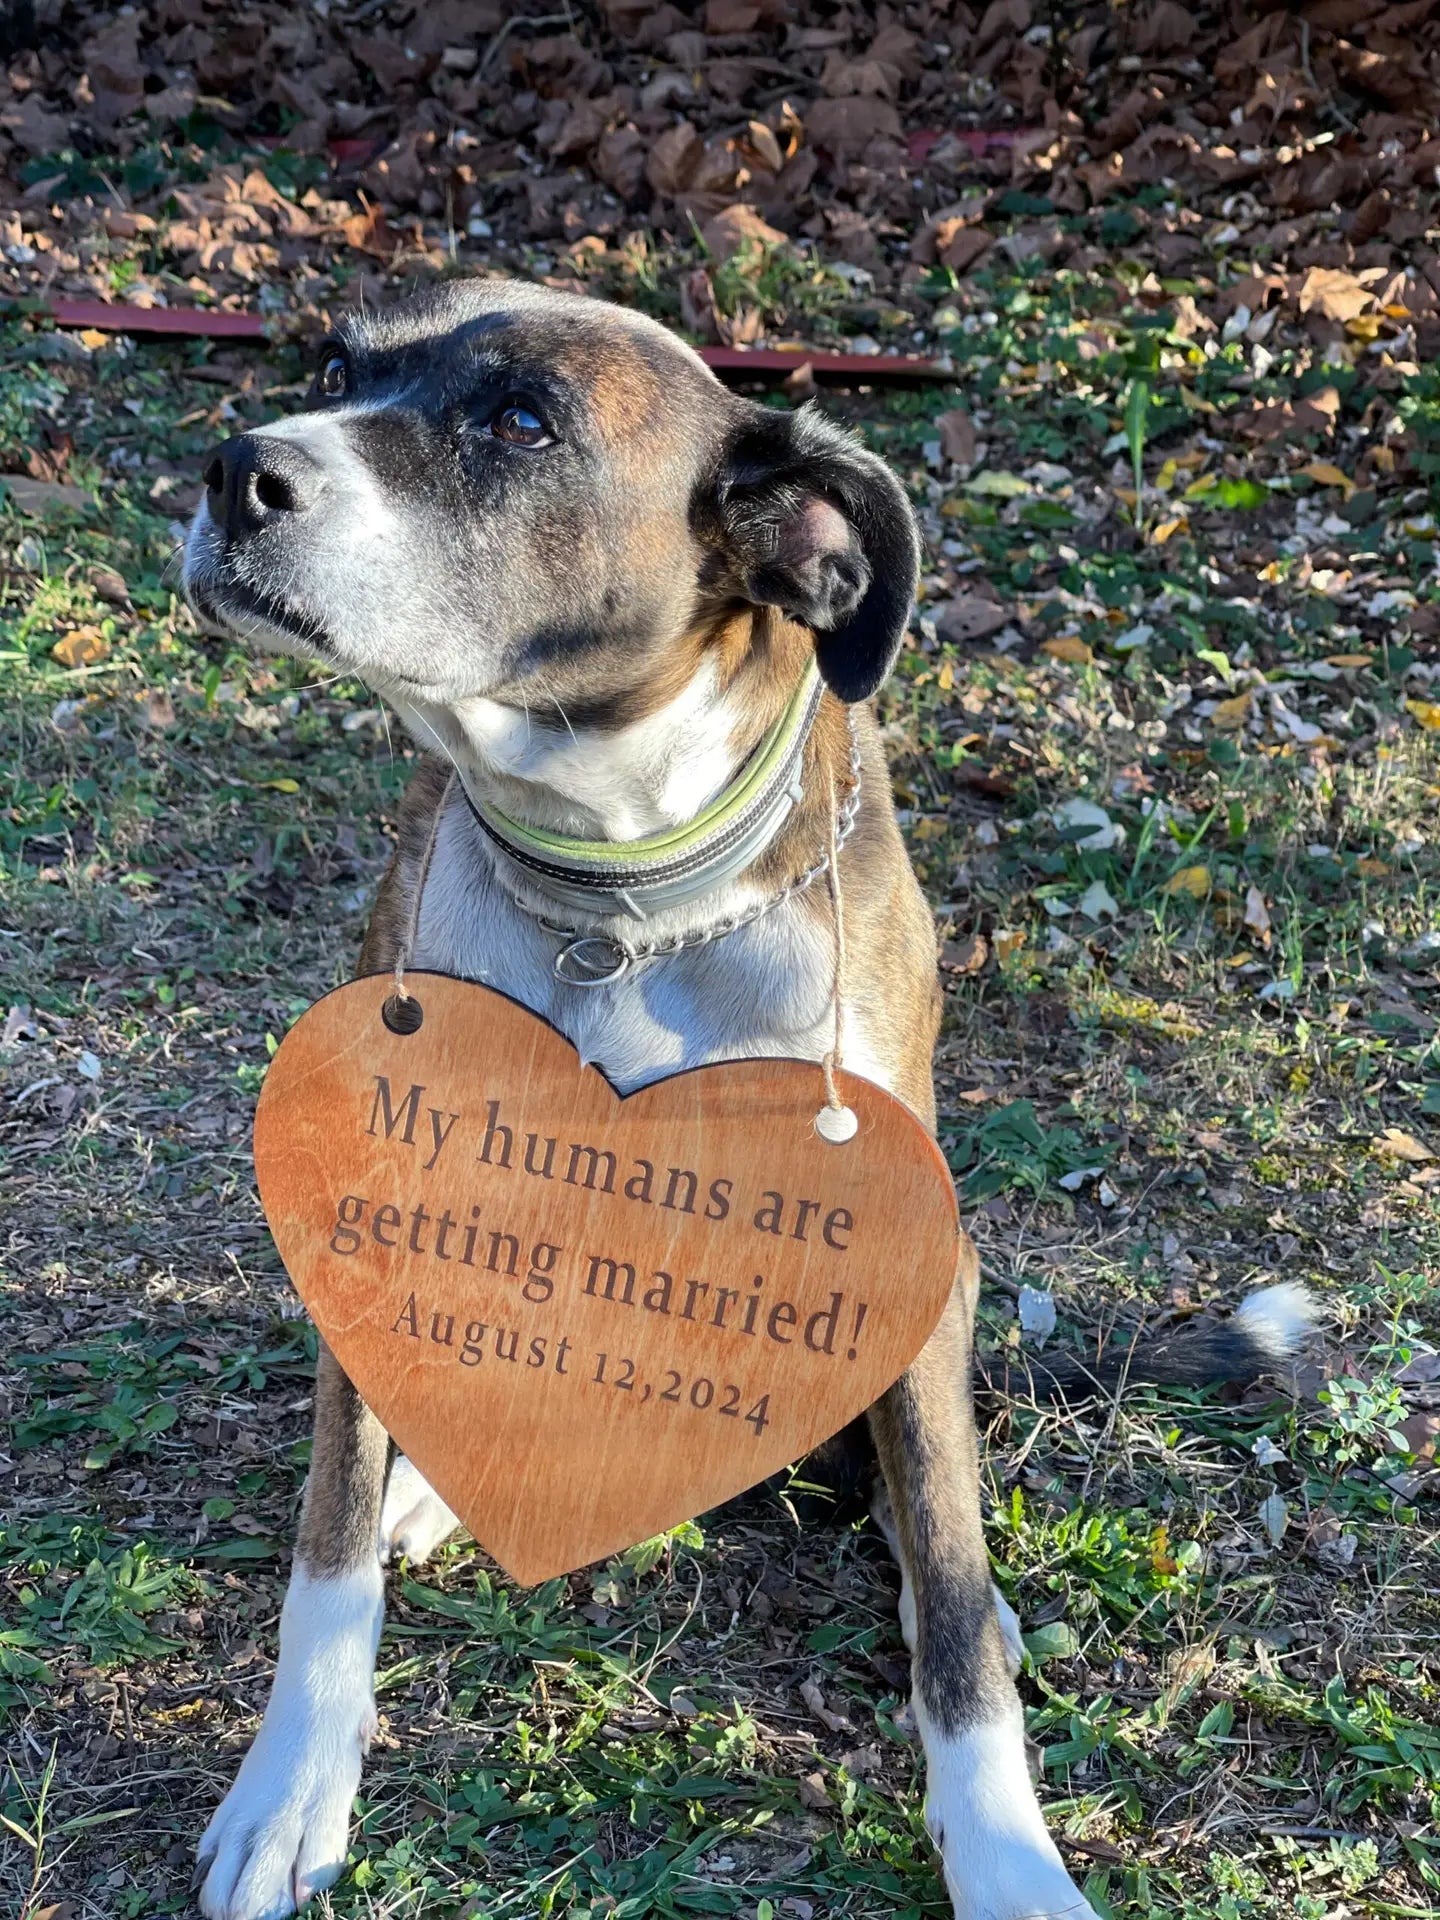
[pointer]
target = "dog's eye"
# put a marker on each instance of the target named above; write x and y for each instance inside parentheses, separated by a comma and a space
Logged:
(519, 426)
(332, 376)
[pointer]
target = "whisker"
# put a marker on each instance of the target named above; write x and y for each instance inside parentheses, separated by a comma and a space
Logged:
(564, 716)
(412, 716)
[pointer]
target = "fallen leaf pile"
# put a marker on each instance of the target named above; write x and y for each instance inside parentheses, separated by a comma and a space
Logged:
(318, 152)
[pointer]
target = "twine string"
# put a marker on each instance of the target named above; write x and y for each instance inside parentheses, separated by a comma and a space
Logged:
(412, 925)
(830, 1063)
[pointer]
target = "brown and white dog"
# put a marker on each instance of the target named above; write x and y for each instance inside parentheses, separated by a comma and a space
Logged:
(591, 580)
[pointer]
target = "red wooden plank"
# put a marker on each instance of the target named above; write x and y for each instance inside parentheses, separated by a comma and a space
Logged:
(979, 140)
(755, 363)
(763, 362)
(110, 317)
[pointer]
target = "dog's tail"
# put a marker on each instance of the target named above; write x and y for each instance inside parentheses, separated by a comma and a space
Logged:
(1267, 1329)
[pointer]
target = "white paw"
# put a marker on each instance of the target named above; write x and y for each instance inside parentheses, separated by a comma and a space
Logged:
(1000, 1862)
(280, 1834)
(414, 1519)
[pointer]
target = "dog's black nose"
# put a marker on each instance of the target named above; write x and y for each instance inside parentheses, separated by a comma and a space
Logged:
(256, 479)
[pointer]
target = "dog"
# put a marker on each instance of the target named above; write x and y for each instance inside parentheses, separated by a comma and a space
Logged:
(596, 585)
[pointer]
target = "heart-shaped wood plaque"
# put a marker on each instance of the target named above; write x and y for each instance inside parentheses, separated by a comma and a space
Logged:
(588, 1318)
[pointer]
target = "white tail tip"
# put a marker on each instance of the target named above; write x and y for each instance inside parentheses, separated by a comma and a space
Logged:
(1279, 1318)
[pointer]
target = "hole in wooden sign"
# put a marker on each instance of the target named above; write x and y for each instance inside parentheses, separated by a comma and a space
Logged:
(402, 1016)
(837, 1125)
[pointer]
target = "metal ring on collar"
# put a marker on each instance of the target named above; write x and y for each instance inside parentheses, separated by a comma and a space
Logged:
(576, 968)
(615, 957)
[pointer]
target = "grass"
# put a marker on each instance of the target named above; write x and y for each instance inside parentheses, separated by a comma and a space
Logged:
(1188, 1048)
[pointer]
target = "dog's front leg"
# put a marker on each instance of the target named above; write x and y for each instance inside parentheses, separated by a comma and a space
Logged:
(281, 1832)
(1000, 1862)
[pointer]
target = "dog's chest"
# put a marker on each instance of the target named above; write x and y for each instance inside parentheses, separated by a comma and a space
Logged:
(764, 989)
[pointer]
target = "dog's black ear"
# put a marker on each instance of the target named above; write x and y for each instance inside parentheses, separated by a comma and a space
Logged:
(820, 528)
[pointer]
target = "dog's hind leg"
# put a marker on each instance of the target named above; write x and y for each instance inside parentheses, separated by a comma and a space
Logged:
(883, 1514)
(1000, 1862)
(281, 1832)
(414, 1519)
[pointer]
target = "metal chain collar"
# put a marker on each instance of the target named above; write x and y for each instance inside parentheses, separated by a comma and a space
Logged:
(600, 959)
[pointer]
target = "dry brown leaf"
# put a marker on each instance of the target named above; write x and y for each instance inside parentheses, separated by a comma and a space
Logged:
(1348, 659)
(1420, 1433)
(1068, 647)
(698, 312)
(1008, 943)
(1333, 294)
(731, 16)
(968, 246)
(815, 1700)
(33, 129)
(811, 1789)
(737, 227)
(36, 496)
(1187, 319)
(370, 232)
(1325, 403)
(969, 617)
(957, 436)
(158, 710)
(1403, 1146)
(762, 147)
(674, 158)
(1329, 475)
(1166, 28)
(842, 76)
(965, 956)
(81, 647)
(110, 586)
(1257, 915)
(1229, 715)
(845, 127)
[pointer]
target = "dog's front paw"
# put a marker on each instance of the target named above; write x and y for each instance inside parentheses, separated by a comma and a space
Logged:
(1005, 1876)
(1023, 1885)
(414, 1519)
(1000, 1862)
(280, 1834)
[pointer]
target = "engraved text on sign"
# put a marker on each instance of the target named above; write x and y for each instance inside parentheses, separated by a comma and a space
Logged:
(587, 1318)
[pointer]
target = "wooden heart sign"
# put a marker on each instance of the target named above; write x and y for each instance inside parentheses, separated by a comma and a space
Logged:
(588, 1318)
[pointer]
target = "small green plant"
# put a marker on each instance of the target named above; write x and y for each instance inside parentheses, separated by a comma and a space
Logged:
(1365, 1416)
(27, 1815)
(624, 1573)
(1011, 1147)
(779, 283)
(1137, 408)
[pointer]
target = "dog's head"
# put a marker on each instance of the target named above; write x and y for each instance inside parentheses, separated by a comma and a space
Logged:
(498, 492)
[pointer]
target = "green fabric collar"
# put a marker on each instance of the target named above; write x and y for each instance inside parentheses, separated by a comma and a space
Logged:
(639, 877)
